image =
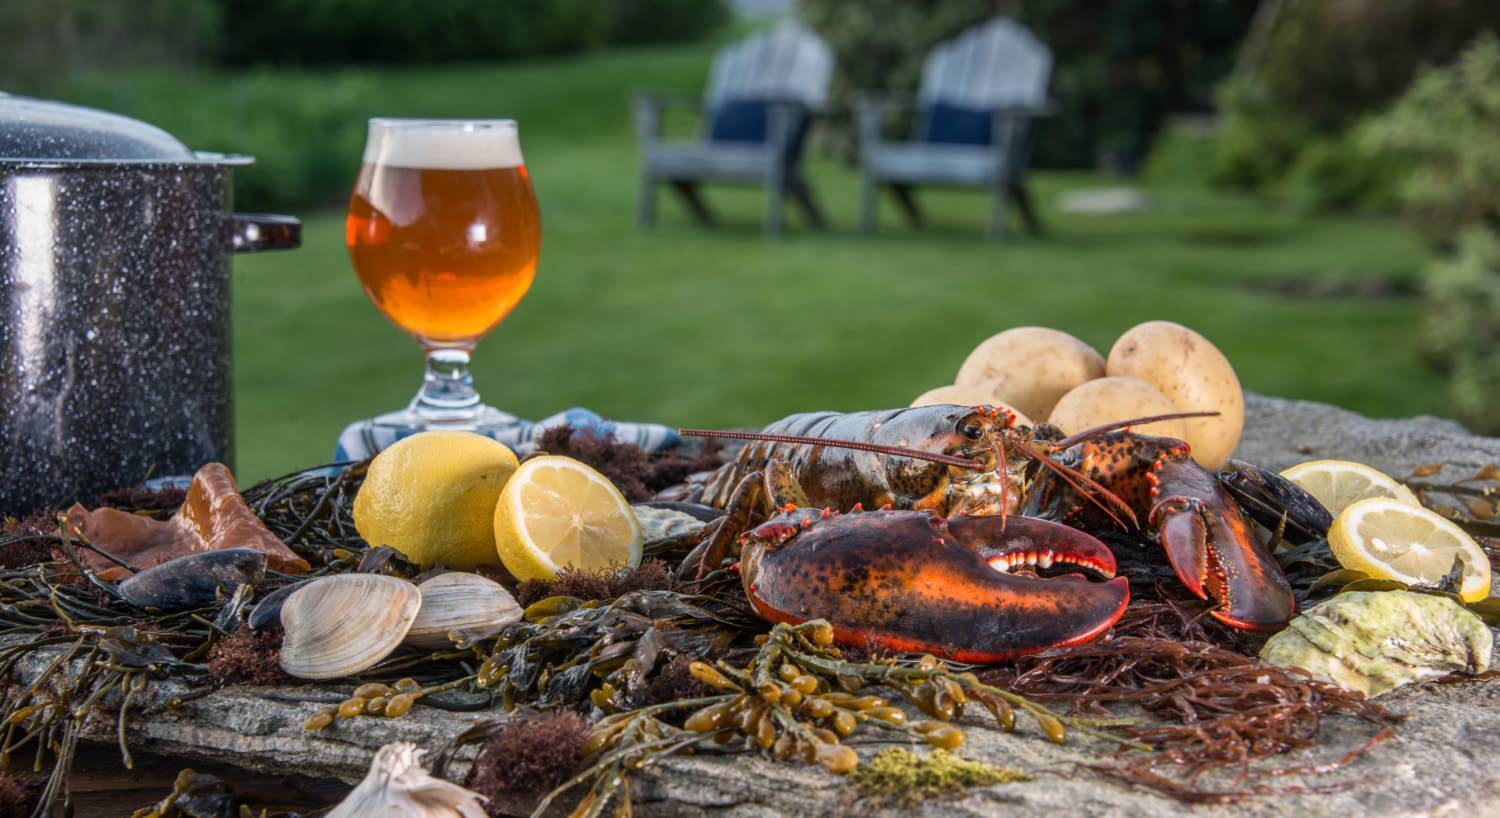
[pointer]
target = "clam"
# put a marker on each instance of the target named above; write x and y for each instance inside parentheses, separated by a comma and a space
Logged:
(464, 604)
(196, 580)
(338, 626)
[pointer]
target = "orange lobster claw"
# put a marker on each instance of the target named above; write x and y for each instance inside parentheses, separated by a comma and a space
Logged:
(911, 581)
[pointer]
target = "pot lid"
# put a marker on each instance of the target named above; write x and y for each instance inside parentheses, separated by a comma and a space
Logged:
(35, 129)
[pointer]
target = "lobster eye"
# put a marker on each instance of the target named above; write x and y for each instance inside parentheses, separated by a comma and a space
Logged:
(972, 431)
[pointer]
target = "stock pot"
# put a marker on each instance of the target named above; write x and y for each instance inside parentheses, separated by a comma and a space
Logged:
(115, 243)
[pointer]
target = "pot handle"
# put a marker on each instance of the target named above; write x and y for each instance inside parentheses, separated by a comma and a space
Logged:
(254, 232)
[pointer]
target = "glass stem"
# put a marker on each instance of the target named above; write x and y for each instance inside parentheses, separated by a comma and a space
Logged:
(447, 394)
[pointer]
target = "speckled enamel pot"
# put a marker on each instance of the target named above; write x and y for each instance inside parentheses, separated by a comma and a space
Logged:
(114, 318)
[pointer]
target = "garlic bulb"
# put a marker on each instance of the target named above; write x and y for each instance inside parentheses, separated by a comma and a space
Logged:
(397, 786)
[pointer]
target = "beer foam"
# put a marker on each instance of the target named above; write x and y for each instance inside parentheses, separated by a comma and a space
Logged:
(443, 145)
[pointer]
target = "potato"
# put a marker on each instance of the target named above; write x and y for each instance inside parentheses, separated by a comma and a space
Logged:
(1194, 375)
(1106, 400)
(1037, 367)
(972, 394)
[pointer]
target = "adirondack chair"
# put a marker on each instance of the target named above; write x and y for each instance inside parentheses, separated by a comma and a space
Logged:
(979, 94)
(762, 93)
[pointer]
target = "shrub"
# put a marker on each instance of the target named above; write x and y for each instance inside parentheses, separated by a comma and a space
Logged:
(1120, 67)
(1315, 69)
(1463, 327)
(1340, 173)
(1447, 129)
(39, 36)
(305, 134)
(341, 32)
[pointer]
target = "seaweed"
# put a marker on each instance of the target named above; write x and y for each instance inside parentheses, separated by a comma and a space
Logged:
(247, 656)
(529, 754)
(1216, 708)
(638, 475)
(650, 575)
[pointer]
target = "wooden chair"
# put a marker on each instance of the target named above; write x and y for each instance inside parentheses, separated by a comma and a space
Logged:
(762, 93)
(979, 94)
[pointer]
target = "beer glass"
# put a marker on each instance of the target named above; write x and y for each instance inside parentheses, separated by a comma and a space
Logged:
(443, 232)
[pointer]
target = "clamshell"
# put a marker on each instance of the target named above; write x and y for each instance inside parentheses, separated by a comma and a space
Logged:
(461, 604)
(1375, 641)
(338, 626)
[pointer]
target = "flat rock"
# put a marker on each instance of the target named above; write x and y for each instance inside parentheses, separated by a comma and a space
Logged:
(1438, 763)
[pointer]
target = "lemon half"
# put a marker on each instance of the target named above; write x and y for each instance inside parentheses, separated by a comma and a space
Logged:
(557, 513)
(1339, 484)
(1389, 539)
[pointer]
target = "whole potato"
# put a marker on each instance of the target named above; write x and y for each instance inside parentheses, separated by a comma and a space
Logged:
(973, 394)
(1194, 374)
(1036, 367)
(1107, 400)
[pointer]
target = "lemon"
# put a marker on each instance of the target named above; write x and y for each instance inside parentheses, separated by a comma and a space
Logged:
(556, 513)
(431, 496)
(1389, 539)
(1340, 483)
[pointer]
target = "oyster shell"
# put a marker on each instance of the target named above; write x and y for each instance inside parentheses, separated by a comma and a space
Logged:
(461, 603)
(338, 626)
(1375, 641)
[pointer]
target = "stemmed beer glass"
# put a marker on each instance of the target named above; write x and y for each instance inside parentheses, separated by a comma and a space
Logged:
(444, 234)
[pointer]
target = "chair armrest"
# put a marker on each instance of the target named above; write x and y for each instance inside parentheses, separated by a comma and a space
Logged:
(649, 107)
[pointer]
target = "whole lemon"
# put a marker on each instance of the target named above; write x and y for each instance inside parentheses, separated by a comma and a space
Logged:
(432, 497)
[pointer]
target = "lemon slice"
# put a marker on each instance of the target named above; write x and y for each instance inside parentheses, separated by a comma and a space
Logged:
(557, 513)
(1388, 539)
(1339, 484)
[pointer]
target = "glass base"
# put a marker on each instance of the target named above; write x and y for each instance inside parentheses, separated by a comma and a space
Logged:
(447, 399)
(481, 419)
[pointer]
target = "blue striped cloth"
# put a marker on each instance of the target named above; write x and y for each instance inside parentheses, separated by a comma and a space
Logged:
(360, 439)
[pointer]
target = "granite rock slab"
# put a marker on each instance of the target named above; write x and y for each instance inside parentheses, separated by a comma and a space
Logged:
(1439, 762)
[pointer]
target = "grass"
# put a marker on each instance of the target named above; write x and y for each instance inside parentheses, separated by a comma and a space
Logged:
(723, 327)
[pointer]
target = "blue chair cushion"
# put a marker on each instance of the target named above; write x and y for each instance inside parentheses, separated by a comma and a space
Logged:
(747, 121)
(739, 120)
(952, 125)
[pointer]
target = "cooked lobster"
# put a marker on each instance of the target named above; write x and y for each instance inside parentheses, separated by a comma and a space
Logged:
(981, 462)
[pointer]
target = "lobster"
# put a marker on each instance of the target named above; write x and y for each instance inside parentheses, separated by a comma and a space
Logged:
(982, 463)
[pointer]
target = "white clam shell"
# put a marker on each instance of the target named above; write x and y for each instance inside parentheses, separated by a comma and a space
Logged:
(460, 602)
(338, 626)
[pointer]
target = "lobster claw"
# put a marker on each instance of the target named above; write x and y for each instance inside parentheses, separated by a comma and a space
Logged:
(1215, 553)
(911, 581)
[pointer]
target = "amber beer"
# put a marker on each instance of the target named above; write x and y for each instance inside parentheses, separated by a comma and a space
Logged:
(443, 228)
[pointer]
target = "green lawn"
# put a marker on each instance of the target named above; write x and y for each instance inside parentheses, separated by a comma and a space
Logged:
(724, 327)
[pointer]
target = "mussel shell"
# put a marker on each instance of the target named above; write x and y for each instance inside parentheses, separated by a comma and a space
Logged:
(341, 625)
(196, 580)
(1267, 496)
(463, 603)
(267, 612)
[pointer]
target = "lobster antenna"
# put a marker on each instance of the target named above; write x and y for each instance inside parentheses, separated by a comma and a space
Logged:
(1004, 472)
(898, 451)
(1083, 484)
(1090, 434)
